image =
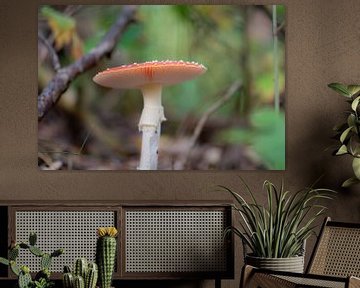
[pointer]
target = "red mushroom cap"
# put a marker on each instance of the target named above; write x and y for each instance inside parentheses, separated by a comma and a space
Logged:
(155, 72)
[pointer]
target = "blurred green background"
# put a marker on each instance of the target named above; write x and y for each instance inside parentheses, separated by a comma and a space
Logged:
(95, 128)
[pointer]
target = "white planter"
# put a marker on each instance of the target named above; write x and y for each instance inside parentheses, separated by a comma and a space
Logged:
(291, 264)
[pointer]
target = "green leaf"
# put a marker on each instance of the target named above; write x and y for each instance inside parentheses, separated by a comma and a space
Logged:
(353, 89)
(63, 21)
(280, 228)
(355, 103)
(342, 150)
(61, 25)
(340, 88)
(345, 134)
(349, 182)
(356, 167)
(14, 268)
(351, 119)
(354, 145)
(4, 261)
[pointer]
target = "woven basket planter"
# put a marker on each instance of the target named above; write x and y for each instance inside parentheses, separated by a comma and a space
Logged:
(291, 264)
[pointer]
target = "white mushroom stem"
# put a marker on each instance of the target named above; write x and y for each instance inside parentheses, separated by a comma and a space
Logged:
(150, 126)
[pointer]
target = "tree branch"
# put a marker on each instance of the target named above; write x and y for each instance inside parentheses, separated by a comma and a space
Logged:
(212, 109)
(58, 85)
(52, 53)
(280, 27)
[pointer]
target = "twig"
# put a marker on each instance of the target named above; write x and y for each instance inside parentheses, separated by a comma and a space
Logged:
(281, 28)
(212, 109)
(72, 9)
(58, 85)
(52, 53)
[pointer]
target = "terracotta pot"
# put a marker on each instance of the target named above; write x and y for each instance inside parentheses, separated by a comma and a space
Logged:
(291, 264)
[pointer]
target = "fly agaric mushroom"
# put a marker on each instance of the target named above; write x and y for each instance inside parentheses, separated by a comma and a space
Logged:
(149, 77)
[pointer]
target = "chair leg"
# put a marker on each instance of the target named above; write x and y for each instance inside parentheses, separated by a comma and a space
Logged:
(217, 283)
(250, 278)
(354, 282)
(246, 274)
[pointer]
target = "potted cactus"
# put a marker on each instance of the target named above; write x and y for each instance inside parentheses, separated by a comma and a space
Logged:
(106, 254)
(42, 278)
(84, 275)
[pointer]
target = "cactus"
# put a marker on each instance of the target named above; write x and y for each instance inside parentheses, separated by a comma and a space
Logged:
(24, 277)
(13, 253)
(24, 245)
(14, 268)
(36, 251)
(42, 278)
(106, 254)
(87, 272)
(79, 282)
(57, 253)
(45, 261)
(68, 280)
(32, 239)
(44, 273)
(80, 267)
(91, 276)
(67, 269)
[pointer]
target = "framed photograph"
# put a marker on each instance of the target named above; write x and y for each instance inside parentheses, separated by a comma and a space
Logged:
(161, 87)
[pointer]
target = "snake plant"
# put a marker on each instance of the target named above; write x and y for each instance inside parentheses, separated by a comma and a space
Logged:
(279, 228)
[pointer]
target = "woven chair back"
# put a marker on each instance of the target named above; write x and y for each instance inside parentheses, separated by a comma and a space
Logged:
(337, 252)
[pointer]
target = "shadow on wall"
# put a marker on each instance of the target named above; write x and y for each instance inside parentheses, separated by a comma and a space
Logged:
(333, 170)
(315, 162)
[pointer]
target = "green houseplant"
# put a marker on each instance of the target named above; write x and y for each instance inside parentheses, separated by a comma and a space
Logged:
(84, 274)
(275, 233)
(106, 254)
(42, 278)
(348, 133)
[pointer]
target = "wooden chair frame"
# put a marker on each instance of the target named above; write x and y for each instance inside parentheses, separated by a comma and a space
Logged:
(255, 277)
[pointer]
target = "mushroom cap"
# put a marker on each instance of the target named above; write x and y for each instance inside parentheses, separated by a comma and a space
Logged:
(155, 72)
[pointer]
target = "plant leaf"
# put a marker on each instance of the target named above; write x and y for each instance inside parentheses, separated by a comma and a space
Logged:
(356, 167)
(279, 228)
(4, 261)
(342, 150)
(354, 145)
(14, 268)
(351, 120)
(355, 103)
(345, 134)
(349, 182)
(62, 26)
(340, 88)
(353, 89)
